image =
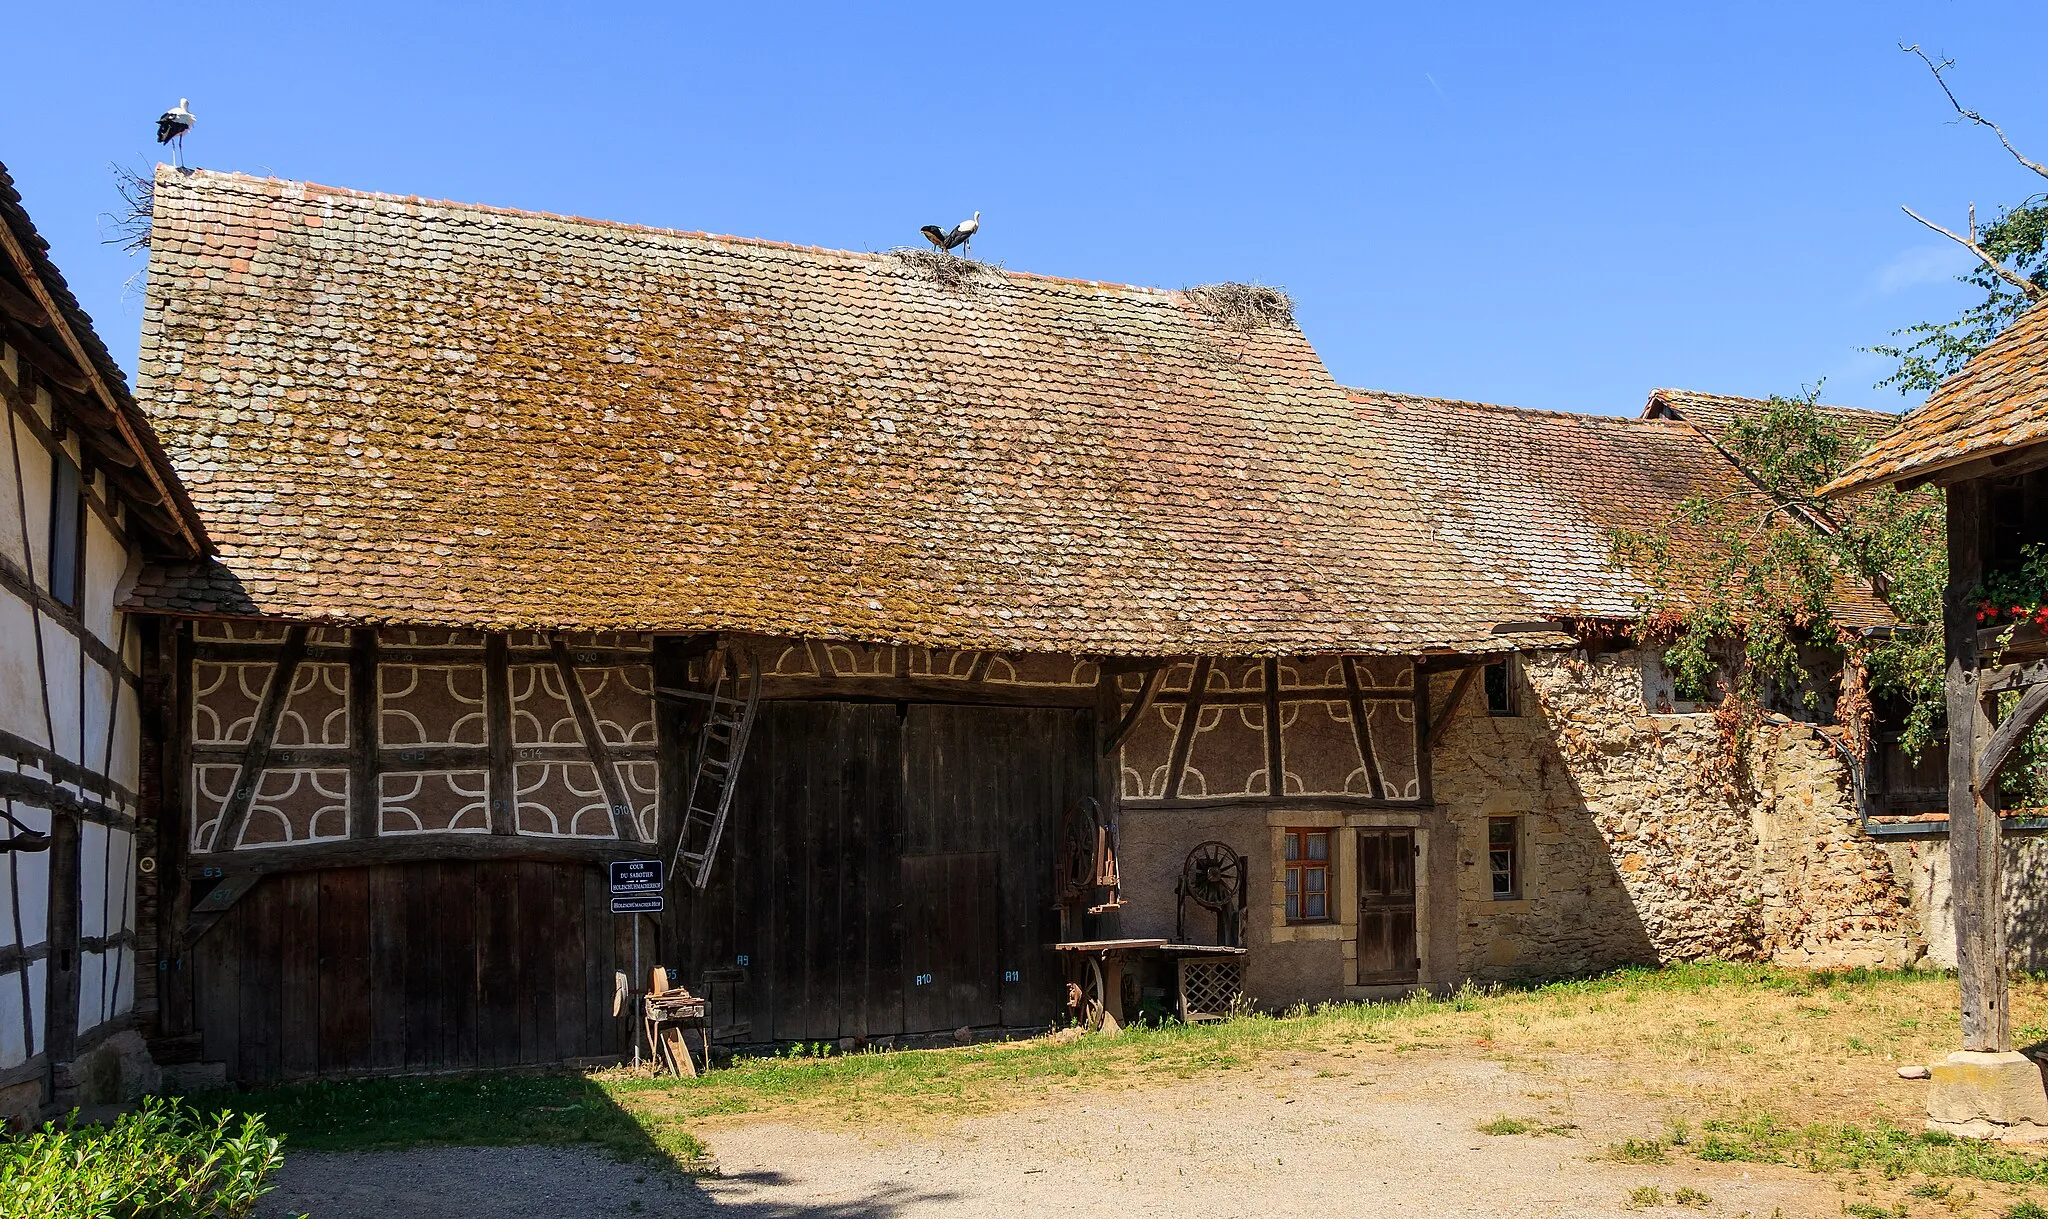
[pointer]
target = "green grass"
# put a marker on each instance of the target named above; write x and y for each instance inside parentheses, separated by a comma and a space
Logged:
(1892, 1151)
(1645, 1018)
(459, 1111)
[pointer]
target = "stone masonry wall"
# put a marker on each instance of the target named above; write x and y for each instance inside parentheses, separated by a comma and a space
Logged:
(1636, 846)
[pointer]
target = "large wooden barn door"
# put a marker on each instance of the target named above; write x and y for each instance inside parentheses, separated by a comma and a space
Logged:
(804, 902)
(994, 779)
(870, 843)
(413, 966)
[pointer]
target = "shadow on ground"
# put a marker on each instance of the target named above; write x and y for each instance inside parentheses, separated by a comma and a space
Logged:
(452, 1147)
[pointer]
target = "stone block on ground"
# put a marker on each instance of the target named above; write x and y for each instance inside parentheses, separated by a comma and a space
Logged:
(1977, 1094)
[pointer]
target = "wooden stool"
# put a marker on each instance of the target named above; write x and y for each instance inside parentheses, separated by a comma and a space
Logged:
(665, 1013)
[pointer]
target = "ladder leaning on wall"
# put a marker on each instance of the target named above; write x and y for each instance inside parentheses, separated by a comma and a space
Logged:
(729, 699)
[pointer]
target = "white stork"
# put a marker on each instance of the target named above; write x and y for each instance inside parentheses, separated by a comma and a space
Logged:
(174, 123)
(962, 234)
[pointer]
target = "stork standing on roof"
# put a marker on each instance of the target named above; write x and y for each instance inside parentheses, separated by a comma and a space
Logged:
(171, 127)
(962, 234)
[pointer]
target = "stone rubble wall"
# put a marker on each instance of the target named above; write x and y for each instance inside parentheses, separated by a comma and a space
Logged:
(1640, 844)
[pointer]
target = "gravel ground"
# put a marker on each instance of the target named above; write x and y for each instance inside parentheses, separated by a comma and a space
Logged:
(1385, 1142)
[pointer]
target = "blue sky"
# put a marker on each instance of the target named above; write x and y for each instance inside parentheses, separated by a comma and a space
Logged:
(1549, 205)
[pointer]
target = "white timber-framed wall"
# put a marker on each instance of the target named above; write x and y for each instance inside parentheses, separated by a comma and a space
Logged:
(69, 753)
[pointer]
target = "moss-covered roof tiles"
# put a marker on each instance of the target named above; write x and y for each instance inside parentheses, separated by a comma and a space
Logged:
(394, 410)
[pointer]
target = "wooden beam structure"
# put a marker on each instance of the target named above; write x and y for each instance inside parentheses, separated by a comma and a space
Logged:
(1974, 860)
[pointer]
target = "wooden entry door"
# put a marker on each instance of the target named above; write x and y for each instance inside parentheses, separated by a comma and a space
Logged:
(1386, 906)
(950, 948)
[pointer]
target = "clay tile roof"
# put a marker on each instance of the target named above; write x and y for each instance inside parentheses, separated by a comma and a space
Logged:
(1715, 414)
(1528, 497)
(1995, 404)
(75, 323)
(396, 410)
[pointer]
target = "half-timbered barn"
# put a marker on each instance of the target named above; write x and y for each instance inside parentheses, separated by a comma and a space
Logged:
(954, 635)
(502, 500)
(85, 496)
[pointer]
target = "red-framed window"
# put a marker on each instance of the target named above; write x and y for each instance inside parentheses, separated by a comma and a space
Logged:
(1308, 876)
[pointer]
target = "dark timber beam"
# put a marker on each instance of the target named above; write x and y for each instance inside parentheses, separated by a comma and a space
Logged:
(364, 797)
(344, 853)
(1354, 697)
(601, 759)
(498, 731)
(2011, 733)
(1184, 739)
(1973, 823)
(1150, 691)
(2013, 677)
(261, 734)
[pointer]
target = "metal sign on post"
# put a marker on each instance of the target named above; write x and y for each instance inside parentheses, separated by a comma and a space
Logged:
(637, 876)
(636, 889)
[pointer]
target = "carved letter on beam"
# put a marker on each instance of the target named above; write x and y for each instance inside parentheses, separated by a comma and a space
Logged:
(2009, 735)
(1153, 681)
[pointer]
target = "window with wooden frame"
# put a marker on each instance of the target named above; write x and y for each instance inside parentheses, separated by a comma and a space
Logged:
(1504, 857)
(67, 531)
(1308, 876)
(1500, 688)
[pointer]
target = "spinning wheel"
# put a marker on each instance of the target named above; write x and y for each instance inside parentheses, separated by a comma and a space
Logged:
(1213, 876)
(1087, 857)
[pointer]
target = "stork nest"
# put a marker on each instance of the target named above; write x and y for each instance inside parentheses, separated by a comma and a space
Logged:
(128, 225)
(949, 271)
(1243, 307)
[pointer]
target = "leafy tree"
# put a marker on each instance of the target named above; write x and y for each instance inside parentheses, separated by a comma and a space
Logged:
(1748, 583)
(2011, 271)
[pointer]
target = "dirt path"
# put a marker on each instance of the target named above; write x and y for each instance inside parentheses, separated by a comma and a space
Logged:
(1393, 1141)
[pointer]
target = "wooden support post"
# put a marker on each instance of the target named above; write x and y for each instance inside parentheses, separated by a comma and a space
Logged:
(498, 729)
(1973, 822)
(60, 1029)
(364, 798)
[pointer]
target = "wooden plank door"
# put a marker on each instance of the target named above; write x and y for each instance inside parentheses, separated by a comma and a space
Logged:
(953, 972)
(1386, 906)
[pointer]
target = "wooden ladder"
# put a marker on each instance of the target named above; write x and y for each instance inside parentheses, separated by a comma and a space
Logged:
(721, 746)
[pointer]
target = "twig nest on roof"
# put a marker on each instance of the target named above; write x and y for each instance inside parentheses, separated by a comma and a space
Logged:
(949, 271)
(1245, 307)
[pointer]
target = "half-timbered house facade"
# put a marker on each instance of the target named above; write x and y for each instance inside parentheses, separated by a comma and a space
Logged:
(85, 496)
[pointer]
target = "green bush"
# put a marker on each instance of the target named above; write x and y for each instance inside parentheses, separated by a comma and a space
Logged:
(165, 1161)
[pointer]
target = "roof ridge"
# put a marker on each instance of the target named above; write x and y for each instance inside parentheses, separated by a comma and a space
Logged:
(318, 188)
(1826, 406)
(1356, 395)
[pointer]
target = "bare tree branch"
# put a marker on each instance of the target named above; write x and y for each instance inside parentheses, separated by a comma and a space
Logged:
(1966, 112)
(2032, 290)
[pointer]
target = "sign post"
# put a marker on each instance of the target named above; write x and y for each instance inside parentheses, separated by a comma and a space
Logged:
(637, 890)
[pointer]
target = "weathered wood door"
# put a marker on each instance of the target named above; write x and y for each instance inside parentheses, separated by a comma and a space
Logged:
(414, 967)
(994, 779)
(874, 842)
(950, 947)
(1386, 906)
